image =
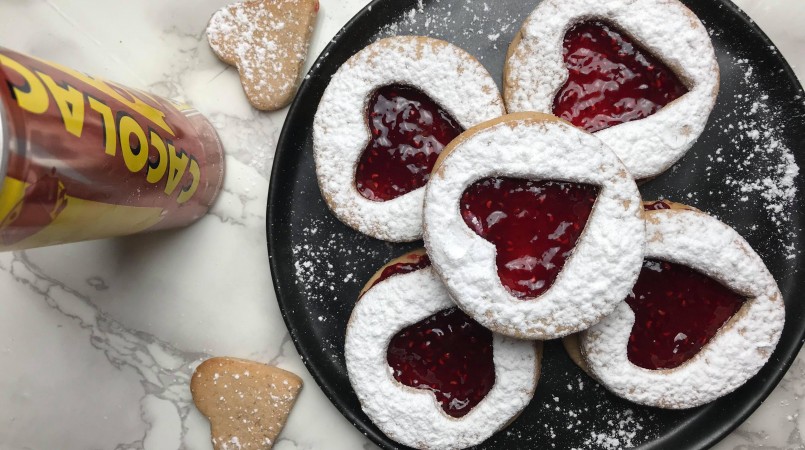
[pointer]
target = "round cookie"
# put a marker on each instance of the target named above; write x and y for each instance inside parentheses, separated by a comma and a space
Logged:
(431, 70)
(406, 300)
(598, 271)
(536, 71)
(686, 370)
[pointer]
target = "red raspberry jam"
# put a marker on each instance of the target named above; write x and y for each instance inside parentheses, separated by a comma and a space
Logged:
(448, 354)
(656, 206)
(533, 224)
(410, 264)
(611, 80)
(677, 311)
(408, 130)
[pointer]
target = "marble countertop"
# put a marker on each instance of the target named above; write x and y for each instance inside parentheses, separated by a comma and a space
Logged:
(98, 339)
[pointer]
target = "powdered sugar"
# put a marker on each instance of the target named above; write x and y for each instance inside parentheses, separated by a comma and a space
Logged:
(535, 71)
(739, 349)
(412, 416)
(605, 262)
(447, 74)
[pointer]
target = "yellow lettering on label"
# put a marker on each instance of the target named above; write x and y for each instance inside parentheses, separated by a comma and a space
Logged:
(134, 103)
(155, 173)
(109, 127)
(136, 156)
(187, 192)
(70, 102)
(33, 97)
(177, 168)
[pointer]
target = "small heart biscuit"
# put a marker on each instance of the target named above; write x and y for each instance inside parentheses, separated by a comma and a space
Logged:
(247, 403)
(267, 40)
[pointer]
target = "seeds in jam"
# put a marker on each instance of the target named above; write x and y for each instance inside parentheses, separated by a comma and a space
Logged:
(677, 311)
(533, 224)
(611, 80)
(411, 263)
(449, 354)
(408, 132)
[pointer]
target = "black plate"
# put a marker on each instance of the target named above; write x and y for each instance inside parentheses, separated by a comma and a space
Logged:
(319, 265)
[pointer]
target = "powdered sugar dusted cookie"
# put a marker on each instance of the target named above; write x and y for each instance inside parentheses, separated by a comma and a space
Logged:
(383, 120)
(534, 226)
(246, 402)
(641, 74)
(426, 374)
(267, 40)
(704, 316)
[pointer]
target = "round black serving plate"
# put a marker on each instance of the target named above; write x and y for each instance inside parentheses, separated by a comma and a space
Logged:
(318, 264)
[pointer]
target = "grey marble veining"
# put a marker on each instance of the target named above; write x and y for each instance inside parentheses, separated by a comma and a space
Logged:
(98, 339)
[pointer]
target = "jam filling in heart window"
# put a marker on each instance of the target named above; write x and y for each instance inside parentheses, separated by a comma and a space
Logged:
(408, 132)
(611, 79)
(534, 226)
(448, 354)
(677, 312)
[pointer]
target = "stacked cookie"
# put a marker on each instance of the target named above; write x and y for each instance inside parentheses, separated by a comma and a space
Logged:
(533, 224)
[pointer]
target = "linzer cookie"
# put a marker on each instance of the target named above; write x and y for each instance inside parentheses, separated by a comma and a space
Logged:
(425, 373)
(534, 226)
(83, 158)
(704, 316)
(267, 40)
(640, 74)
(383, 120)
(246, 402)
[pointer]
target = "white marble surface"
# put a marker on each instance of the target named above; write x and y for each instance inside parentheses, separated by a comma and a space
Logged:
(97, 340)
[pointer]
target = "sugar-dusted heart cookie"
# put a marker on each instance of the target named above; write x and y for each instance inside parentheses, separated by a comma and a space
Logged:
(534, 226)
(267, 40)
(425, 373)
(383, 120)
(640, 74)
(246, 402)
(703, 317)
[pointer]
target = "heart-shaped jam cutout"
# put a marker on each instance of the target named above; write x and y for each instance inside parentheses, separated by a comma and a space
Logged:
(533, 224)
(677, 311)
(408, 132)
(611, 79)
(448, 354)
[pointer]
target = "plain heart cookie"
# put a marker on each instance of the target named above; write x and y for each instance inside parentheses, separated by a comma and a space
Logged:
(267, 40)
(246, 402)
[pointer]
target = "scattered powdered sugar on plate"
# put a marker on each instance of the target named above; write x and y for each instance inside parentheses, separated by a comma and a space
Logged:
(756, 171)
(441, 20)
(769, 169)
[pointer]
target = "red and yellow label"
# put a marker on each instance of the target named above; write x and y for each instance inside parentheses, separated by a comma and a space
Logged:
(89, 158)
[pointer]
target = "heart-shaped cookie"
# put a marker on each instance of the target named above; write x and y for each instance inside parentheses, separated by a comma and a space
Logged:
(425, 373)
(246, 402)
(267, 40)
(704, 316)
